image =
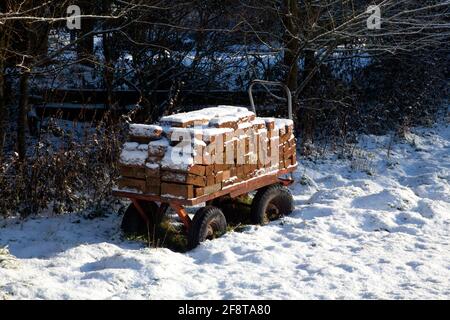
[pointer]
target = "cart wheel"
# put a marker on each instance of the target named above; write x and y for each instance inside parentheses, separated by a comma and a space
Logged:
(132, 222)
(271, 203)
(209, 223)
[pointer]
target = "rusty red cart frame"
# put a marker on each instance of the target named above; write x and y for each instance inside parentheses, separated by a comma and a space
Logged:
(232, 191)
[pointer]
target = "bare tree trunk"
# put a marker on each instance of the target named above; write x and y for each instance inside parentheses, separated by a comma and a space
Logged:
(22, 116)
(85, 47)
(109, 69)
(291, 43)
(2, 108)
(109, 55)
(3, 45)
(308, 115)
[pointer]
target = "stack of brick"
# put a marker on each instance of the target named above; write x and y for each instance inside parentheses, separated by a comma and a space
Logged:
(192, 154)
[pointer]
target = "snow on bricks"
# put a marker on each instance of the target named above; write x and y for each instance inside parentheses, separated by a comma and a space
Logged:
(192, 154)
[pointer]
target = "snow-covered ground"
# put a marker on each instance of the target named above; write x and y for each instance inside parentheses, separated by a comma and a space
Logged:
(373, 227)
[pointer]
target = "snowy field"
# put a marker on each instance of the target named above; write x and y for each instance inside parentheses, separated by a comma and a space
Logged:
(376, 227)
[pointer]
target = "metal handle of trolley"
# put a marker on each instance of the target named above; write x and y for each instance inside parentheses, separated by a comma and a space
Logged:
(265, 84)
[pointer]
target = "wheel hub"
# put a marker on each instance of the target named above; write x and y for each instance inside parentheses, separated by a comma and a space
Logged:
(272, 212)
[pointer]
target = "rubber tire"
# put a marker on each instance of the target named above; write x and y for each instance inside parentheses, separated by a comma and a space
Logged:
(276, 195)
(132, 222)
(204, 217)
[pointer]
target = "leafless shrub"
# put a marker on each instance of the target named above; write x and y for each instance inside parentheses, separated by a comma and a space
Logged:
(63, 174)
